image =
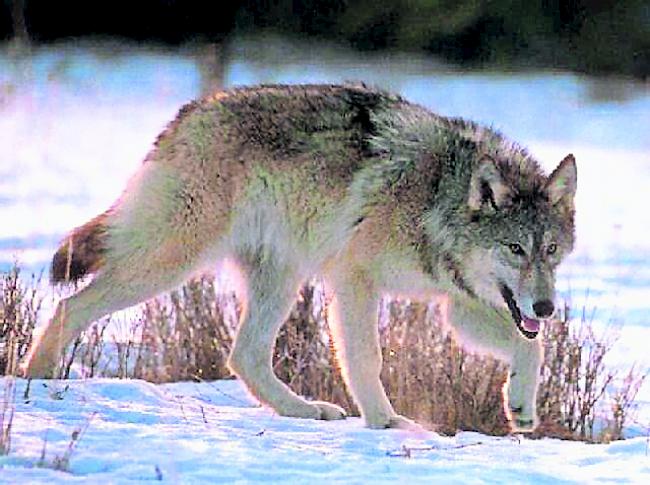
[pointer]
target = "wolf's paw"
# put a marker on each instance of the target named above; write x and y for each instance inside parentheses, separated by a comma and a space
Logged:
(394, 421)
(329, 411)
(521, 423)
(402, 422)
(378, 420)
(523, 426)
(312, 410)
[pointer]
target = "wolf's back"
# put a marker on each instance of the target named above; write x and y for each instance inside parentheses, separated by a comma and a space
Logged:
(81, 252)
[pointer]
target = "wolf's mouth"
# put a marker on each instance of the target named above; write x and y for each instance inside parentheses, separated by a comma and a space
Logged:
(529, 327)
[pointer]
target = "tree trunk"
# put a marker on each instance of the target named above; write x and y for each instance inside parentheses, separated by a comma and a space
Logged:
(18, 19)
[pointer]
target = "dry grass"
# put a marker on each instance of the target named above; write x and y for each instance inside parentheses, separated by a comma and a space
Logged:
(19, 308)
(187, 335)
(61, 461)
(86, 352)
(578, 389)
(20, 304)
(304, 357)
(431, 379)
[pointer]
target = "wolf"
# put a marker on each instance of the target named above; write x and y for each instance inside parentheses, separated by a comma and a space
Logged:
(377, 195)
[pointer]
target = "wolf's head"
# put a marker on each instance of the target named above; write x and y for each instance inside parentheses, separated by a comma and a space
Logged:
(521, 227)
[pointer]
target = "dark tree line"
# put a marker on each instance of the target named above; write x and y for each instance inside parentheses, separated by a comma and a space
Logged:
(596, 36)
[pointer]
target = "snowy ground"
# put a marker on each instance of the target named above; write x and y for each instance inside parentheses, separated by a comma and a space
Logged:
(135, 431)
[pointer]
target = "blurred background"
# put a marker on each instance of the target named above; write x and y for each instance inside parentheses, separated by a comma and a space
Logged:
(85, 87)
(594, 36)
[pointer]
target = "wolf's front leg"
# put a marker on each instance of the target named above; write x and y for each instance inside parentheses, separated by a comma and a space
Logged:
(492, 331)
(271, 291)
(525, 364)
(354, 326)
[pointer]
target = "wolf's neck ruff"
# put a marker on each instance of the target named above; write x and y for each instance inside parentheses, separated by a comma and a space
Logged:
(445, 265)
(459, 280)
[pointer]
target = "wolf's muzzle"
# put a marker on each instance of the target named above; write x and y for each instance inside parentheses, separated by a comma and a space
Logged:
(508, 297)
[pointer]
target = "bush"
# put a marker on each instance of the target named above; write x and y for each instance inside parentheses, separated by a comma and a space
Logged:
(303, 356)
(429, 378)
(577, 388)
(19, 308)
(20, 304)
(188, 334)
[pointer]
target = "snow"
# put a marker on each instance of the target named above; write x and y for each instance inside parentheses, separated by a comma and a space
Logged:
(215, 433)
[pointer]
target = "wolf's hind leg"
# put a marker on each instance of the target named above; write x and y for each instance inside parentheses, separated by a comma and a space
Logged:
(271, 292)
(111, 290)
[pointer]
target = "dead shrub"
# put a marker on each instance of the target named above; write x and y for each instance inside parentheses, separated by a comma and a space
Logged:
(86, 352)
(187, 335)
(429, 378)
(303, 356)
(20, 304)
(577, 389)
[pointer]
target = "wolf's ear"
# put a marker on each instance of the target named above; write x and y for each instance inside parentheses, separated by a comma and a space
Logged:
(561, 185)
(487, 187)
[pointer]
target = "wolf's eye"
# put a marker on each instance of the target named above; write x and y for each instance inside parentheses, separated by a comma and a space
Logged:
(551, 248)
(516, 249)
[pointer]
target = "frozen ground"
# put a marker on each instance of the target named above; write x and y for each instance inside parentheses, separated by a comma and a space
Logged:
(133, 431)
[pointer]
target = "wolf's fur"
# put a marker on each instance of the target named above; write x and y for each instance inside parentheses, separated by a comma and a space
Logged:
(374, 193)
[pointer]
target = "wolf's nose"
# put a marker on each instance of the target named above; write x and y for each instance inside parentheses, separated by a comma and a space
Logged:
(544, 308)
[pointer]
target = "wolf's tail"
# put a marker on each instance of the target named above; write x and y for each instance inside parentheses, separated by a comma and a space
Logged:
(81, 252)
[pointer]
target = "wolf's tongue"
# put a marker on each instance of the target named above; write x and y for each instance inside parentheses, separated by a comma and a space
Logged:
(530, 324)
